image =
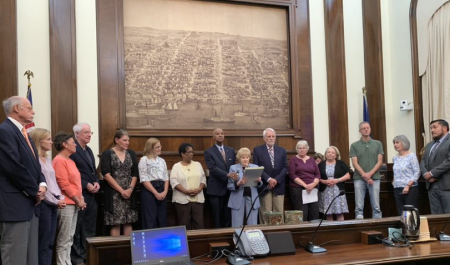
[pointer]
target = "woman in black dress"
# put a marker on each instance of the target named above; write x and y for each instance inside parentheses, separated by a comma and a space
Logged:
(120, 170)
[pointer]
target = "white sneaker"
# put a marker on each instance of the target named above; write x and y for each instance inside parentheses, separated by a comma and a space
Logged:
(359, 217)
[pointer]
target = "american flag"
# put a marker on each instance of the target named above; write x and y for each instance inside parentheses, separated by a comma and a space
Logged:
(365, 107)
(29, 127)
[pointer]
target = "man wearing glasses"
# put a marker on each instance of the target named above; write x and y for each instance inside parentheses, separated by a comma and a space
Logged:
(367, 157)
(84, 159)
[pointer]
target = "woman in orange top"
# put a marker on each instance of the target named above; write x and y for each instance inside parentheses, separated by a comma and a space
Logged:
(69, 181)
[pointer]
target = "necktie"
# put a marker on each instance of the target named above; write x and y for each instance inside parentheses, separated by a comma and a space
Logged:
(272, 157)
(223, 153)
(25, 134)
(433, 151)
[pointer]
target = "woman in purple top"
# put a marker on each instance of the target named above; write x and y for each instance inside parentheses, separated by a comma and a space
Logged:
(53, 198)
(304, 175)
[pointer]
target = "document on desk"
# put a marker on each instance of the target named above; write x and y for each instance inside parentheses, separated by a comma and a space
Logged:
(309, 197)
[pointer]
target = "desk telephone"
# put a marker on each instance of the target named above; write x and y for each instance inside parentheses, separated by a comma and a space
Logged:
(252, 243)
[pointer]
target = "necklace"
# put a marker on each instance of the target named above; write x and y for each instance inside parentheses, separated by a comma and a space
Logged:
(188, 167)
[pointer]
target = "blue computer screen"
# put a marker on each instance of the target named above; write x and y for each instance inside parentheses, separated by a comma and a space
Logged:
(159, 245)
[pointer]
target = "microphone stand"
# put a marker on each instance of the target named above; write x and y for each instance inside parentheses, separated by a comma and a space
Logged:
(310, 246)
(234, 258)
(442, 236)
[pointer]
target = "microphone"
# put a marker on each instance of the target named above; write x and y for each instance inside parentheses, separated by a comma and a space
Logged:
(235, 258)
(442, 236)
(310, 246)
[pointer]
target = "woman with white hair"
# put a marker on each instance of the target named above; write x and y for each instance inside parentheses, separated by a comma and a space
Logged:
(406, 173)
(304, 175)
(333, 173)
(241, 197)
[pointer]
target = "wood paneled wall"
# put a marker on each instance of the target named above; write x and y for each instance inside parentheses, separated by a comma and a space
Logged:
(373, 65)
(110, 42)
(63, 65)
(336, 77)
(8, 51)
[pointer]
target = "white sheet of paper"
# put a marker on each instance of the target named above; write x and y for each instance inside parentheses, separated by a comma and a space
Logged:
(309, 197)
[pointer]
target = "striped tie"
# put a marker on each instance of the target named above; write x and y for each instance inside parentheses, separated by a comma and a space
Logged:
(223, 154)
(272, 157)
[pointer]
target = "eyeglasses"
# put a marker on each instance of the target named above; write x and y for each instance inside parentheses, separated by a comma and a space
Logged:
(189, 152)
(157, 147)
(87, 133)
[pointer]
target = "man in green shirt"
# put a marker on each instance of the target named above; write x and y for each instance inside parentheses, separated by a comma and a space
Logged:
(367, 157)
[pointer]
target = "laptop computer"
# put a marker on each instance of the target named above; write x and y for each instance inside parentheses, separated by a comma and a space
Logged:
(165, 246)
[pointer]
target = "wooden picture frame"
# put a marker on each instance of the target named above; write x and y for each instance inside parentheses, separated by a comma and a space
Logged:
(110, 42)
(227, 66)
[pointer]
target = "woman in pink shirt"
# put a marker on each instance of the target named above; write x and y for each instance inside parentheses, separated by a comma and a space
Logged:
(69, 181)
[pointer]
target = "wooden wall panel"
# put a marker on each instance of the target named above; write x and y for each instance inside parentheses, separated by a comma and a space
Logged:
(111, 82)
(373, 65)
(63, 65)
(108, 65)
(303, 62)
(417, 81)
(336, 77)
(8, 51)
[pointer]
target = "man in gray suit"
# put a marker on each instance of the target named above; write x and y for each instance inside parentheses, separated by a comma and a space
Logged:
(435, 167)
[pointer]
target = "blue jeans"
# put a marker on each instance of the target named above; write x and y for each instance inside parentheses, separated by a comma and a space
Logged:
(361, 187)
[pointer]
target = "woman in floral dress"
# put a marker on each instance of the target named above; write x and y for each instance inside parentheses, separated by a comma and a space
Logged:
(333, 174)
(120, 170)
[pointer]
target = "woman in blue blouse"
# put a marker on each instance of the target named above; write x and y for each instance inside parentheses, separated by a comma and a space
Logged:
(242, 197)
(406, 173)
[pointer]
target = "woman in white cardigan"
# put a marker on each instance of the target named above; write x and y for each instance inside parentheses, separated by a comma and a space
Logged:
(188, 180)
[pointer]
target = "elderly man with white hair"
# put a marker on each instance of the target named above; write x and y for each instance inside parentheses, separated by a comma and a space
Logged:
(22, 185)
(273, 159)
(84, 159)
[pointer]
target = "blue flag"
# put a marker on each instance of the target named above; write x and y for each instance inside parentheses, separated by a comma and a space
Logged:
(29, 127)
(365, 109)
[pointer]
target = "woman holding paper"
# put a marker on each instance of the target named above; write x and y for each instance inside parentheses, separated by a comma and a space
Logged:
(305, 176)
(242, 196)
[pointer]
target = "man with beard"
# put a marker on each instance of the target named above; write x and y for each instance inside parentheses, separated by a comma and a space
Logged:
(273, 159)
(435, 167)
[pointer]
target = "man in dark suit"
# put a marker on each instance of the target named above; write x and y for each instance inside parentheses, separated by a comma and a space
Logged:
(86, 222)
(273, 159)
(22, 186)
(219, 158)
(435, 167)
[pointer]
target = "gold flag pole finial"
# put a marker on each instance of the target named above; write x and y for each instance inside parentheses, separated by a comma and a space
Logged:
(364, 90)
(29, 74)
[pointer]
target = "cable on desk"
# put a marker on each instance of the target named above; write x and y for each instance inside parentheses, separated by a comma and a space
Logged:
(342, 243)
(218, 255)
(398, 242)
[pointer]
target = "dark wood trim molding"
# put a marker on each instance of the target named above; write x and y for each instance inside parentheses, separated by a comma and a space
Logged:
(417, 81)
(63, 65)
(8, 51)
(373, 65)
(336, 76)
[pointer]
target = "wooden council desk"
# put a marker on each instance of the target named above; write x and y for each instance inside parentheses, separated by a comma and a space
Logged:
(436, 253)
(116, 250)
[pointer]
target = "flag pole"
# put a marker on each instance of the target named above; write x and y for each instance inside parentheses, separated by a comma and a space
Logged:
(29, 127)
